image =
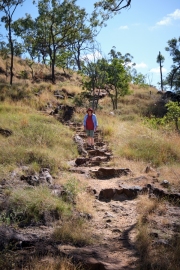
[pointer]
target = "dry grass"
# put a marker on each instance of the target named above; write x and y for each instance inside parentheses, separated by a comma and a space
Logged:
(135, 141)
(84, 203)
(146, 207)
(75, 231)
(50, 263)
(78, 188)
(36, 139)
(153, 217)
(172, 174)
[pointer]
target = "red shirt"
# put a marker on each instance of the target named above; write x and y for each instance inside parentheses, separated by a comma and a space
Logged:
(89, 123)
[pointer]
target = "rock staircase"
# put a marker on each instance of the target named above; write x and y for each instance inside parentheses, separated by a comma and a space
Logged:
(98, 160)
(115, 210)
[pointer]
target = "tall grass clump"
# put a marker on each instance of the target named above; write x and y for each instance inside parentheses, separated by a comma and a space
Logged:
(145, 207)
(73, 230)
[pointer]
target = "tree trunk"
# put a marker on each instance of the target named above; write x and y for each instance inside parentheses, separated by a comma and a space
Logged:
(176, 124)
(160, 65)
(53, 71)
(52, 57)
(12, 52)
(78, 60)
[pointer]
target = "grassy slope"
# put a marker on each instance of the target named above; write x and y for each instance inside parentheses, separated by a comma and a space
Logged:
(39, 140)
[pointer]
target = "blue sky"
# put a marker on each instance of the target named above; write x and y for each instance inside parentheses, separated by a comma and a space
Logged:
(141, 30)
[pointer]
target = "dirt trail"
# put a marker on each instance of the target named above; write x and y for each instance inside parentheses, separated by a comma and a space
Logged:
(115, 216)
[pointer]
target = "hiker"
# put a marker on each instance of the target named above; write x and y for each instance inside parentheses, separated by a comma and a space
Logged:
(90, 125)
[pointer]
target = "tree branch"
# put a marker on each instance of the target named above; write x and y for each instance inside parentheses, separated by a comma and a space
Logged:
(118, 7)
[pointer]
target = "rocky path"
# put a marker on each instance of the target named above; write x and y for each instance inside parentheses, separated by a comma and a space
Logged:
(115, 215)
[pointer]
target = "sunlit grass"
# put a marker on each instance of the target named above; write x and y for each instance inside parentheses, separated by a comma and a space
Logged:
(134, 141)
(52, 263)
(36, 138)
(155, 256)
(48, 262)
(75, 230)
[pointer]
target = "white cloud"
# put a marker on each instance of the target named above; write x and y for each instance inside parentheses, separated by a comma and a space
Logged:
(157, 70)
(165, 21)
(92, 56)
(169, 18)
(141, 65)
(123, 27)
(175, 15)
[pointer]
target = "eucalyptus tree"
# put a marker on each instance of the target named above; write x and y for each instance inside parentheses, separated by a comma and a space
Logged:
(9, 7)
(160, 60)
(26, 29)
(173, 77)
(95, 75)
(118, 81)
(59, 23)
(110, 75)
(84, 41)
(127, 61)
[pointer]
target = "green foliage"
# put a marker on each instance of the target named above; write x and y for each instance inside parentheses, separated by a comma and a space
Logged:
(110, 75)
(62, 59)
(108, 8)
(118, 80)
(172, 116)
(160, 58)
(24, 74)
(173, 113)
(154, 122)
(72, 188)
(173, 78)
(139, 79)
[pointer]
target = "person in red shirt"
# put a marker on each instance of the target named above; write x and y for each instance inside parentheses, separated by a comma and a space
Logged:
(90, 126)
